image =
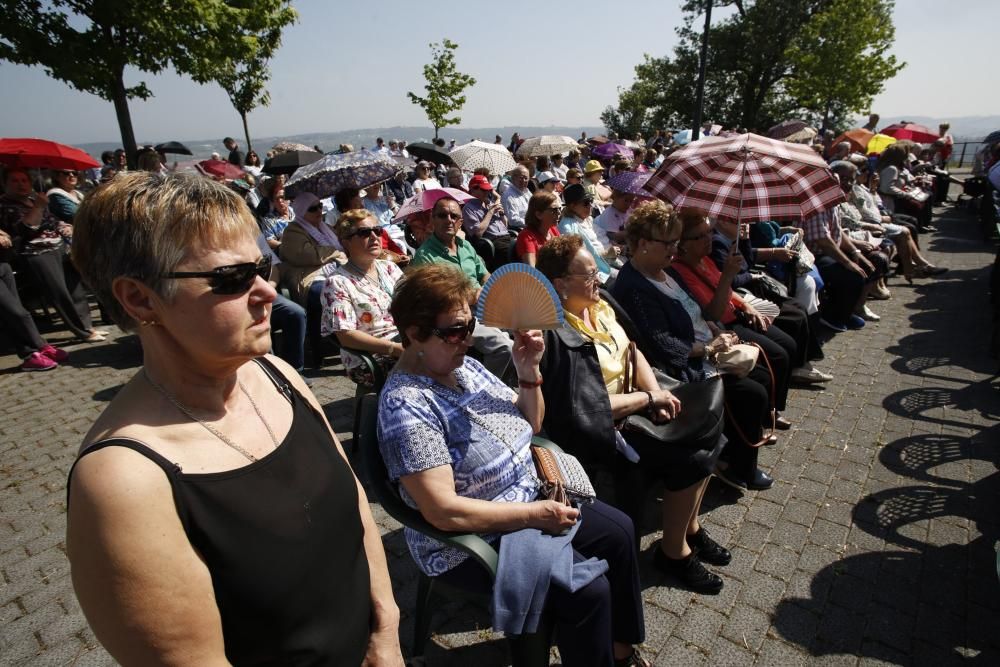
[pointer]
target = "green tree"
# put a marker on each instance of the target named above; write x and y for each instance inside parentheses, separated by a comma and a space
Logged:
(839, 61)
(753, 58)
(445, 87)
(89, 43)
(245, 80)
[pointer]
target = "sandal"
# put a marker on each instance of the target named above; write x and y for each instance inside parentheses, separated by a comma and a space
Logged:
(634, 660)
(95, 337)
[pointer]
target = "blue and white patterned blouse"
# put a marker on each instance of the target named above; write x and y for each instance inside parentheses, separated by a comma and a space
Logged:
(423, 424)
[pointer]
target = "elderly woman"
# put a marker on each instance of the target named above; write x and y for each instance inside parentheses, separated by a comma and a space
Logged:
(17, 326)
(584, 368)
(896, 185)
(39, 241)
(711, 288)
(458, 442)
(213, 517)
(274, 224)
(540, 224)
(63, 196)
(576, 220)
(357, 296)
(424, 179)
(310, 250)
(677, 337)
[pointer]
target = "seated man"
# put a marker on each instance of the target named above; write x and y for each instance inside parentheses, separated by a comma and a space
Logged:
(484, 218)
(845, 271)
(444, 245)
(515, 197)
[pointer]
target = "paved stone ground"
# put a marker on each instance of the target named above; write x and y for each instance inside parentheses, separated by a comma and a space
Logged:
(875, 546)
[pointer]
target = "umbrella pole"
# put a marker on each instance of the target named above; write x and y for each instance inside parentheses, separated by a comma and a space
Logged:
(743, 180)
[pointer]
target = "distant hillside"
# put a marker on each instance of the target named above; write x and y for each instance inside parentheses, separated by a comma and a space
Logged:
(965, 128)
(329, 141)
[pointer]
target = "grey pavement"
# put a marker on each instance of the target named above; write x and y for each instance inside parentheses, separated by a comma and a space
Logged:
(875, 546)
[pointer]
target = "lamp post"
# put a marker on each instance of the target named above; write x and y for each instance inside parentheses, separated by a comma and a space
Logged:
(700, 96)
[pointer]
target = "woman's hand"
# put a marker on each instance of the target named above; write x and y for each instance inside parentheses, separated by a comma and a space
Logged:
(783, 254)
(666, 406)
(383, 648)
(551, 517)
(5, 241)
(732, 266)
(527, 353)
(721, 343)
(755, 319)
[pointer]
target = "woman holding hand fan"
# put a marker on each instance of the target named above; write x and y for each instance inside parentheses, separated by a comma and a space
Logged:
(457, 440)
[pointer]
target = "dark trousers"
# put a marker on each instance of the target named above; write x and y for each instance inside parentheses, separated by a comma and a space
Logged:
(607, 610)
(842, 289)
(794, 322)
(314, 320)
(748, 408)
(15, 322)
(289, 318)
(61, 284)
(780, 349)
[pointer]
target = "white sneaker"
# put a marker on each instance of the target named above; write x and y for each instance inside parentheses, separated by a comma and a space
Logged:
(809, 375)
(866, 313)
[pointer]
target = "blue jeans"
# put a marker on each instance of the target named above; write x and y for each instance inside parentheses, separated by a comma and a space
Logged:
(290, 318)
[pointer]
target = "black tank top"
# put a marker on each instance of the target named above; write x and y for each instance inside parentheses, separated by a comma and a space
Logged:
(282, 538)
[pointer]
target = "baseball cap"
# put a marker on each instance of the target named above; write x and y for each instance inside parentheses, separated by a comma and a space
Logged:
(479, 181)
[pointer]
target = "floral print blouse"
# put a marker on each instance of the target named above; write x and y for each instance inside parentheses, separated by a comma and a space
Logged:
(353, 302)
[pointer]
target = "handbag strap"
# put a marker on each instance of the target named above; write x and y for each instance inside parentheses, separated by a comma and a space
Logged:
(765, 436)
(631, 370)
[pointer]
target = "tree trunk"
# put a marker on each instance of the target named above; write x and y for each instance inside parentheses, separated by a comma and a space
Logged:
(436, 128)
(826, 117)
(246, 131)
(120, 100)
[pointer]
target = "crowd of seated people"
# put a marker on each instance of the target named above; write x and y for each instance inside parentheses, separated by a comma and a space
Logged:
(653, 298)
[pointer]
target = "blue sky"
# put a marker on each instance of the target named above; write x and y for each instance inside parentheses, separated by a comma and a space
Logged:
(348, 64)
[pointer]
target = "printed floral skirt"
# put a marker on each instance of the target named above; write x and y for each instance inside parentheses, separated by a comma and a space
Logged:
(362, 374)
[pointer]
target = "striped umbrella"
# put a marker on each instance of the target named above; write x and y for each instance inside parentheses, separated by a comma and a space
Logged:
(747, 178)
(478, 154)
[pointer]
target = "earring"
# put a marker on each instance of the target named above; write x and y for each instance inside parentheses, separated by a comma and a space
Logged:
(645, 252)
(149, 323)
(563, 296)
(420, 354)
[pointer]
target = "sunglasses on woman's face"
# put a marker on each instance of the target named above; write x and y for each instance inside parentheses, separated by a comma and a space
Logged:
(230, 279)
(367, 232)
(315, 208)
(456, 334)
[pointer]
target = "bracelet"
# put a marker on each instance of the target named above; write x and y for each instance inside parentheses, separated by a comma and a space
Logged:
(649, 398)
(530, 385)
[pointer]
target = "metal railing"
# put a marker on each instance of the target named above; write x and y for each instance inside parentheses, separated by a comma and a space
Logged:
(963, 153)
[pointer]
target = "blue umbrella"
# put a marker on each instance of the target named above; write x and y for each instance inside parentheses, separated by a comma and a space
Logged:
(683, 137)
(332, 173)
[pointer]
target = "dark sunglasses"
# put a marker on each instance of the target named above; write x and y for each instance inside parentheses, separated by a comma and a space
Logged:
(232, 279)
(446, 215)
(455, 334)
(315, 208)
(367, 232)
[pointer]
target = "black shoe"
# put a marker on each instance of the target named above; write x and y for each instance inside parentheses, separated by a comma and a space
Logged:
(689, 570)
(707, 549)
(759, 481)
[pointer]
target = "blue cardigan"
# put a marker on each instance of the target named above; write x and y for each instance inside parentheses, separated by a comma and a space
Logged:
(664, 328)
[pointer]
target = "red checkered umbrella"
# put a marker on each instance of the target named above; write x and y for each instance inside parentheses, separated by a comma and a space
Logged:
(747, 178)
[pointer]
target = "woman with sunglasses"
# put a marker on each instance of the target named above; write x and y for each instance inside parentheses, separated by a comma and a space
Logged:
(212, 515)
(672, 330)
(457, 440)
(540, 224)
(357, 296)
(310, 250)
(585, 367)
(63, 196)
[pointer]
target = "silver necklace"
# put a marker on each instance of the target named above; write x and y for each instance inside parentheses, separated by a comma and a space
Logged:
(221, 436)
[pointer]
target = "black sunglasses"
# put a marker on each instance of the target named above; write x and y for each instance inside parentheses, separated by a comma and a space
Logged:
(231, 279)
(367, 232)
(455, 334)
(315, 208)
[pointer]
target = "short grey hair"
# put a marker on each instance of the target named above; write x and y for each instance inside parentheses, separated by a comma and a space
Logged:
(141, 226)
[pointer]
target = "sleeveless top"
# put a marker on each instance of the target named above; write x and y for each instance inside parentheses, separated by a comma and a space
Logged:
(282, 539)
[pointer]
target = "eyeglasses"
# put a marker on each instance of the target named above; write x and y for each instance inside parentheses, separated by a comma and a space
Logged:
(455, 334)
(587, 277)
(367, 232)
(230, 279)
(668, 244)
(447, 215)
(315, 208)
(66, 173)
(556, 209)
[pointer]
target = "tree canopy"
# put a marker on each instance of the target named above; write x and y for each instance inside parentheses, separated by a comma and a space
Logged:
(445, 87)
(89, 43)
(771, 60)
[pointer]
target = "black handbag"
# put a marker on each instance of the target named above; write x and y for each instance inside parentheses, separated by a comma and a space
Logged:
(767, 287)
(701, 419)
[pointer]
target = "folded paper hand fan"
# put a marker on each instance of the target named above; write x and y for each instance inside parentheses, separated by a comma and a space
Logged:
(518, 296)
(768, 309)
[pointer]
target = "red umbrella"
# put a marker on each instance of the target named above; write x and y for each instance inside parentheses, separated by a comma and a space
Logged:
(747, 178)
(918, 133)
(220, 169)
(43, 154)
